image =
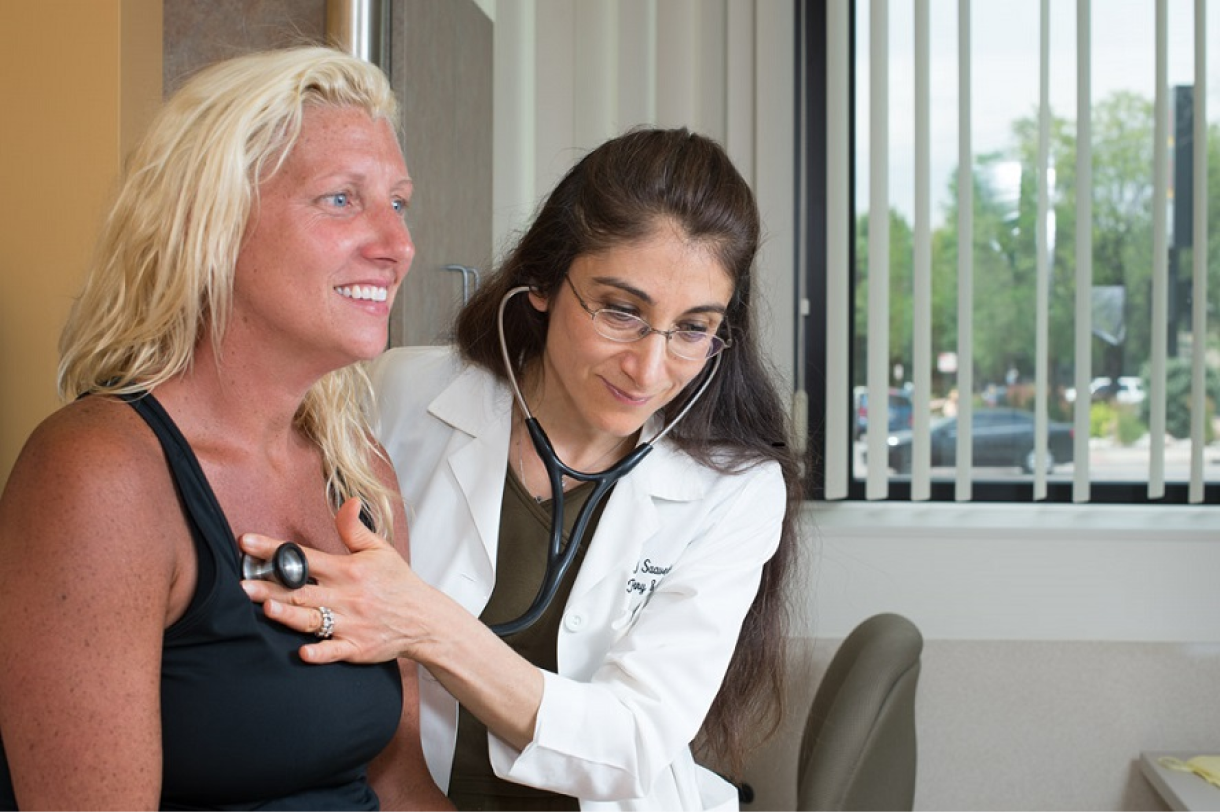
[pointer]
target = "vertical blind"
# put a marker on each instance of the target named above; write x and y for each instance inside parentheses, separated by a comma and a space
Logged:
(837, 468)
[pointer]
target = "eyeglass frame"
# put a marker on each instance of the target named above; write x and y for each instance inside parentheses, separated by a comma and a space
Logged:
(712, 337)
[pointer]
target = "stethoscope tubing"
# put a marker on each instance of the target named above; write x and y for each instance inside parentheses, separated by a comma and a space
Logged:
(559, 558)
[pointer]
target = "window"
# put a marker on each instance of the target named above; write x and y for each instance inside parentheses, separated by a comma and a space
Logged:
(954, 276)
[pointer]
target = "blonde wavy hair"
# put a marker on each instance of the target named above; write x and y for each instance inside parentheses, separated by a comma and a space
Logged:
(162, 276)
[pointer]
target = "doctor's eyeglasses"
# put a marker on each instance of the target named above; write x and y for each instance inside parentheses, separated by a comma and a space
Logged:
(685, 343)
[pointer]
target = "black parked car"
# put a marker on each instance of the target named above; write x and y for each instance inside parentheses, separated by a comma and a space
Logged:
(1002, 437)
(901, 411)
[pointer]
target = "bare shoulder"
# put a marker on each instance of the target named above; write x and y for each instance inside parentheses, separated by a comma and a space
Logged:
(93, 469)
(94, 442)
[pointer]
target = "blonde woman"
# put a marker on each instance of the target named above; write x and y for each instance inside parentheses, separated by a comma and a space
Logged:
(210, 369)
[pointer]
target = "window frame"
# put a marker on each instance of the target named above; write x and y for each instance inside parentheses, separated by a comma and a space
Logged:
(812, 207)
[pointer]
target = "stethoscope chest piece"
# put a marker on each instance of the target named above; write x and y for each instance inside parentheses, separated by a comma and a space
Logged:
(287, 567)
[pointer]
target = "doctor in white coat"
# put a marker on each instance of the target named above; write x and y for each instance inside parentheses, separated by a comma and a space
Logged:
(625, 310)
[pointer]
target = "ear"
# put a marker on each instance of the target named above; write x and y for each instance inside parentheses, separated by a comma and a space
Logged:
(539, 300)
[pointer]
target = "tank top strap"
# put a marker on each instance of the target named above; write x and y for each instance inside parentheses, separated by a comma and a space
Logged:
(214, 541)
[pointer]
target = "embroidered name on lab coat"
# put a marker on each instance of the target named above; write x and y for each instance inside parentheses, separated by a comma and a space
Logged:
(645, 584)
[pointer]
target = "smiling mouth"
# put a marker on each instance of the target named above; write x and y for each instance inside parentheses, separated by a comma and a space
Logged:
(638, 400)
(368, 293)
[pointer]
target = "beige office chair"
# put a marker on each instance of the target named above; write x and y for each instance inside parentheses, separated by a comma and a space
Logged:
(858, 750)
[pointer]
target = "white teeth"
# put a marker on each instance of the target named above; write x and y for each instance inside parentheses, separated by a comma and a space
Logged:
(372, 293)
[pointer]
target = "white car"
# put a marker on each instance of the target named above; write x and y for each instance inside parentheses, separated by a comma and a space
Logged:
(1129, 389)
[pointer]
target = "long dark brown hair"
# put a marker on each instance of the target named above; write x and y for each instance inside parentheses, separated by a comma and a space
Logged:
(619, 194)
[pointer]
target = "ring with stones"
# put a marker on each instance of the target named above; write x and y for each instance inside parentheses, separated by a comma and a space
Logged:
(327, 629)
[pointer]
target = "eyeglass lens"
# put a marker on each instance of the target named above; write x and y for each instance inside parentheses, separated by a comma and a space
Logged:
(693, 345)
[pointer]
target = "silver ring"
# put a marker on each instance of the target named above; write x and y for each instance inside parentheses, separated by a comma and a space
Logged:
(327, 629)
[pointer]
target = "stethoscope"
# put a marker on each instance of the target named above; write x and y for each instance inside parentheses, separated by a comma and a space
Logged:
(286, 567)
(558, 558)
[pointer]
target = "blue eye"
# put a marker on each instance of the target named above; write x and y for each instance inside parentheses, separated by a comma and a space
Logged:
(339, 199)
(400, 205)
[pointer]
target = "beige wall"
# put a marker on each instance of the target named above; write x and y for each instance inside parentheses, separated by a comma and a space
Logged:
(81, 79)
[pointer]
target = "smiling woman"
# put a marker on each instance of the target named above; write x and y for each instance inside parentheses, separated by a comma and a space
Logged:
(328, 220)
(246, 266)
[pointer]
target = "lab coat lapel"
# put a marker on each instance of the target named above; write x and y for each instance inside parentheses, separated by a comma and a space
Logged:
(633, 514)
(481, 412)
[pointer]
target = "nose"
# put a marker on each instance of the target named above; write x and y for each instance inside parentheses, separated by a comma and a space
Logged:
(390, 239)
(647, 360)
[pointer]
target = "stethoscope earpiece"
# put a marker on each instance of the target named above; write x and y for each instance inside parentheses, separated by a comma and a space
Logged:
(287, 567)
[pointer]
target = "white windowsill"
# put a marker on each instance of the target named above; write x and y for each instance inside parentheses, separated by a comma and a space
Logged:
(962, 519)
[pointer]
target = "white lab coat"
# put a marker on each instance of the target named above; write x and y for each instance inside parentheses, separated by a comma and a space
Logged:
(654, 612)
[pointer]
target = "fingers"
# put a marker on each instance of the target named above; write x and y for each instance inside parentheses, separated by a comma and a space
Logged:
(349, 584)
(260, 546)
(311, 621)
(301, 618)
(352, 530)
(307, 598)
(262, 591)
(328, 651)
(355, 535)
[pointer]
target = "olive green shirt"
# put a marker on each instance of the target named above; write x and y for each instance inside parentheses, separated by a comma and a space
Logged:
(525, 531)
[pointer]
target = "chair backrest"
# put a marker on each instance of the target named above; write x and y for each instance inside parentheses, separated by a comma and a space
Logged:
(858, 750)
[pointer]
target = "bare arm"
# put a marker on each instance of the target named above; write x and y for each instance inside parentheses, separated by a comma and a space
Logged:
(84, 602)
(400, 774)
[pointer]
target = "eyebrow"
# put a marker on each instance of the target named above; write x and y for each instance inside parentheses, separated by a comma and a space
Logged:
(347, 175)
(643, 296)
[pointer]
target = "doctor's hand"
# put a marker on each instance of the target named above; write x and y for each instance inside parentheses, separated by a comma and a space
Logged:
(379, 607)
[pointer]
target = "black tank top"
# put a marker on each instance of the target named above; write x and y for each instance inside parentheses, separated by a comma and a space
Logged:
(245, 723)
